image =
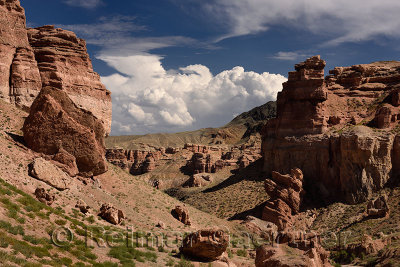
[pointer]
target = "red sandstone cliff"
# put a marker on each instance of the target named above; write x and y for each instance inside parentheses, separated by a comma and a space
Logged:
(49, 57)
(328, 128)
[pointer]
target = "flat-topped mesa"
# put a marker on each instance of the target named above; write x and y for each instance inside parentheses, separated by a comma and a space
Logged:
(64, 63)
(19, 75)
(299, 105)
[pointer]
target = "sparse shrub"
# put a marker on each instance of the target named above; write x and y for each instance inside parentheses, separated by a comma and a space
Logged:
(60, 222)
(241, 253)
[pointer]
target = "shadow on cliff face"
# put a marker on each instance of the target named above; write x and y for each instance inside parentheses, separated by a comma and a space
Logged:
(253, 172)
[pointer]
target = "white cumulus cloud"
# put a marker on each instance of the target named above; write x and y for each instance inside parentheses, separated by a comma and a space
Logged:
(149, 98)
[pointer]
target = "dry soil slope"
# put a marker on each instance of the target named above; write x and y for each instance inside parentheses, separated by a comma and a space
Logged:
(143, 205)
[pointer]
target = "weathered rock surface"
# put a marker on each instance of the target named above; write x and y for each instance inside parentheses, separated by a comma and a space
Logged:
(286, 192)
(207, 244)
(44, 197)
(293, 249)
(111, 214)
(314, 129)
(284, 256)
(366, 246)
(181, 214)
(64, 63)
(49, 173)
(34, 58)
(378, 208)
(199, 180)
(82, 206)
(55, 123)
(19, 74)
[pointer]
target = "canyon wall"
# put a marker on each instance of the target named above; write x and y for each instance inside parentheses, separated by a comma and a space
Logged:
(34, 58)
(341, 130)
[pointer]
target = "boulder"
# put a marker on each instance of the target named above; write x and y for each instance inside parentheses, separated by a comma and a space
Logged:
(55, 123)
(47, 172)
(207, 244)
(181, 214)
(160, 225)
(111, 214)
(378, 207)
(43, 196)
(66, 161)
(199, 180)
(82, 206)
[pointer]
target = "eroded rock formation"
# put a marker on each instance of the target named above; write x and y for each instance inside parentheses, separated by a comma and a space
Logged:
(64, 63)
(181, 214)
(56, 123)
(323, 126)
(293, 249)
(207, 244)
(378, 207)
(286, 192)
(111, 214)
(45, 197)
(19, 74)
(49, 57)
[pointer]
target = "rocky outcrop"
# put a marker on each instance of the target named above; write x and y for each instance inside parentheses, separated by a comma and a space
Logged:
(199, 180)
(378, 207)
(293, 249)
(111, 214)
(366, 246)
(323, 126)
(137, 162)
(19, 74)
(45, 197)
(286, 192)
(64, 64)
(56, 123)
(47, 172)
(181, 214)
(34, 58)
(207, 244)
(82, 206)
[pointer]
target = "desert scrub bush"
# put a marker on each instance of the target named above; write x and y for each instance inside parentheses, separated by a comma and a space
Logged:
(184, 263)
(15, 230)
(241, 253)
(342, 257)
(126, 255)
(170, 262)
(31, 239)
(60, 222)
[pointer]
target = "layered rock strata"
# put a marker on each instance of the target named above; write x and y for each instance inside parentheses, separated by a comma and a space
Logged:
(34, 58)
(325, 126)
(20, 80)
(286, 192)
(64, 63)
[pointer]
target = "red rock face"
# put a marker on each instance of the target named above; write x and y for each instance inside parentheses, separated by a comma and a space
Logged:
(56, 124)
(206, 244)
(19, 75)
(64, 63)
(323, 126)
(50, 57)
(286, 192)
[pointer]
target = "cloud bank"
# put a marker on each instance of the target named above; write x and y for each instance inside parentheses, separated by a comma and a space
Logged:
(339, 20)
(149, 98)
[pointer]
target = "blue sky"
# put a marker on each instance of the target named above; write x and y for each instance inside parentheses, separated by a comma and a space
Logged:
(175, 65)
